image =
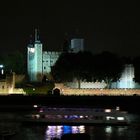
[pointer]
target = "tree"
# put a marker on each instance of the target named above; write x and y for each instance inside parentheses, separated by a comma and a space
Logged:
(107, 67)
(85, 66)
(15, 62)
(72, 65)
(137, 69)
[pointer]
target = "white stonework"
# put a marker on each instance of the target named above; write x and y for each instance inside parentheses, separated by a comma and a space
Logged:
(49, 59)
(125, 82)
(86, 85)
(127, 78)
(34, 61)
(64, 90)
(39, 62)
(77, 44)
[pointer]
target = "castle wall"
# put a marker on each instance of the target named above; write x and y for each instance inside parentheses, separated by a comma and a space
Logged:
(83, 85)
(34, 61)
(100, 92)
(77, 44)
(49, 59)
(127, 78)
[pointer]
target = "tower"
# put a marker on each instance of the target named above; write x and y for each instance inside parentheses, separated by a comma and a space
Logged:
(34, 59)
(77, 44)
(126, 80)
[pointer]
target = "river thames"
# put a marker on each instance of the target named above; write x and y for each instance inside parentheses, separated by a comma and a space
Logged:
(95, 132)
(51, 131)
(12, 107)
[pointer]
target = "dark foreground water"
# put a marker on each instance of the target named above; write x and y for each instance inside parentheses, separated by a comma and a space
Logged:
(95, 132)
(49, 132)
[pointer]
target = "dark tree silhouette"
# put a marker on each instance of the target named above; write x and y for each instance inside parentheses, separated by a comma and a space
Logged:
(107, 67)
(15, 62)
(72, 65)
(85, 66)
(137, 69)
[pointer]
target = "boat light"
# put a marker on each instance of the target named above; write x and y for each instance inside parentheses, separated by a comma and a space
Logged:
(110, 118)
(81, 116)
(107, 110)
(118, 108)
(35, 106)
(120, 118)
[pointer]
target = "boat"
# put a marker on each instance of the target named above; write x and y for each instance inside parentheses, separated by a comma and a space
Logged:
(97, 116)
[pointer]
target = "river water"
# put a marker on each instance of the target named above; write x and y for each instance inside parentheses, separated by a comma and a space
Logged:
(95, 132)
(49, 132)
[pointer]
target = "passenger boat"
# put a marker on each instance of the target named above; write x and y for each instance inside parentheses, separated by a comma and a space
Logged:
(79, 116)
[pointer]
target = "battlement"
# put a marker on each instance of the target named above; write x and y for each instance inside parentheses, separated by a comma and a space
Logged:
(51, 53)
(89, 85)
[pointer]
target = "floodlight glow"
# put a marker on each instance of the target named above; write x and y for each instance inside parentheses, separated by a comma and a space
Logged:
(2, 71)
(1, 66)
(32, 50)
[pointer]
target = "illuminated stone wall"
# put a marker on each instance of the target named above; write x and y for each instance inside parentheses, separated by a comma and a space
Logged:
(34, 61)
(100, 92)
(39, 63)
(49, 59)
(127, 78)
(77, 44)
(8, 84)
(126, 81)
(86, 84)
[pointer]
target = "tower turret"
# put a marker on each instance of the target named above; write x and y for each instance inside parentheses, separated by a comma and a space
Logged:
(34, 59)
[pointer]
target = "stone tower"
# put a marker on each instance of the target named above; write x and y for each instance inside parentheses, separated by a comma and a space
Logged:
(34, 59)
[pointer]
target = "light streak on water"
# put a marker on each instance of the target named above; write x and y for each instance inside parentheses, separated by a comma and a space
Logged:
(58, 131)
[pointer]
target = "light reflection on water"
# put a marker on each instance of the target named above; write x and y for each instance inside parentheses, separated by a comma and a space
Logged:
(95, 132)
(58, 131)
(43, 132)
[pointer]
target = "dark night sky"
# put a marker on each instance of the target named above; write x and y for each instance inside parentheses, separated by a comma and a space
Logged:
(105, 26)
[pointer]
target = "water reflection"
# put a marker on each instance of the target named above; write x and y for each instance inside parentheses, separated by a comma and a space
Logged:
(95, 132)
(108, 130)
(58, 131)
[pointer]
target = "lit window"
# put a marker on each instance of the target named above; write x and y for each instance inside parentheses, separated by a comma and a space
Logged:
(120, 118)
(110, 118)
(32, 50)
(107, 110)
(117, 108)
